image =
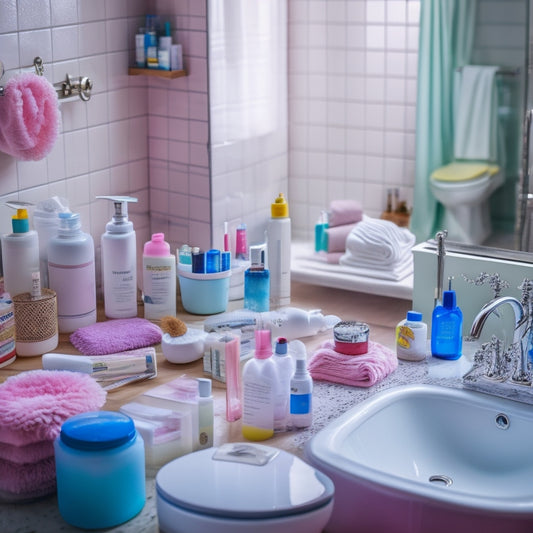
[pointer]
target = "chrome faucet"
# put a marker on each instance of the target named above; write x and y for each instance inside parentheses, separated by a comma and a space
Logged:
(516, 352)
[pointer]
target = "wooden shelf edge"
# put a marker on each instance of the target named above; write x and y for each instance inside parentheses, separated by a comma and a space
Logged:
(169, 74)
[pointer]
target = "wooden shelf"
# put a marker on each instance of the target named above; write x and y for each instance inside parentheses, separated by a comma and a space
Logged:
(169, 74)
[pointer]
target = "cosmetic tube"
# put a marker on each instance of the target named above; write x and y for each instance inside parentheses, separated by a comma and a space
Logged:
(113, 369)
(233, 380)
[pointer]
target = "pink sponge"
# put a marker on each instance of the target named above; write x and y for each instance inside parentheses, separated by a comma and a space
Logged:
(115, 336)
(34, 404)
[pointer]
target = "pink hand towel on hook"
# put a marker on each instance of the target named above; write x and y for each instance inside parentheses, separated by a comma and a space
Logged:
(29, 117)
(355, 370)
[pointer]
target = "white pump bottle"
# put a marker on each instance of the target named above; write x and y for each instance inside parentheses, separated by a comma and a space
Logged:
(119, 261)
(20, 252)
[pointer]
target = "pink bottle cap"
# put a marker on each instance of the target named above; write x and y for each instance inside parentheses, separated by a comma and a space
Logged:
(157, 246)
(263, 344)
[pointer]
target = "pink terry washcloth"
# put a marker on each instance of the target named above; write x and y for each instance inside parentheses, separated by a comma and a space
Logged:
(337, 237)
(29, 481)
(344, 212)
(356, 370)
(115, 336)
(29, 117)
(31, 453)
(34, 404)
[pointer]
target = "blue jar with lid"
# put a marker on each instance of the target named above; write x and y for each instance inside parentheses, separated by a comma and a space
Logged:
(100, 470)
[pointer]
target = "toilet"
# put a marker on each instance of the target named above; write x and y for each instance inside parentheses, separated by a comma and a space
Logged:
(464, 189)
(242, 487)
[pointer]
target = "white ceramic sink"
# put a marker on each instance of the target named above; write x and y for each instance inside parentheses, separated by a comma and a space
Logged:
(429, 459)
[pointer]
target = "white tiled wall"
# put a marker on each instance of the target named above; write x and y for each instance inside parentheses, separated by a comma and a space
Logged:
(138, 136)
(352, 97)
(102, 147)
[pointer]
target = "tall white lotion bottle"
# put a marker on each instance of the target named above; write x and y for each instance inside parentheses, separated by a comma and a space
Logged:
(119, 261)
(279, 253)
(20, 252)
(71, 274)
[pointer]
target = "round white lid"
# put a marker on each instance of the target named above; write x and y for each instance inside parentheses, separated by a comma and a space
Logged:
(243, 480)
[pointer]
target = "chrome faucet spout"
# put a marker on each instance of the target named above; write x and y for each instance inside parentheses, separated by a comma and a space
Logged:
(522, 372)
(487, 309)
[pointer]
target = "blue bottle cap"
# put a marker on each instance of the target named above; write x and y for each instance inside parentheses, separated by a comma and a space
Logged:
(97, 430)
(414, 316)
(449, 299)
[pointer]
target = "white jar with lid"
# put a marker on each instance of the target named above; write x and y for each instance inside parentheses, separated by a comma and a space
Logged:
(411, 338)
(100, 470)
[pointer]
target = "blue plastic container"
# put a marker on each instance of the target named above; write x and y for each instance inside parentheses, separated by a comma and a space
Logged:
(100, 470)
(204, 294)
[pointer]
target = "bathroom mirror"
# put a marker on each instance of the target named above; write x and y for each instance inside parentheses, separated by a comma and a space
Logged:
(495, 32)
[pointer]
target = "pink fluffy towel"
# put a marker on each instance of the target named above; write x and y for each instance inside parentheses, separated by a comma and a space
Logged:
(29, 117)
(34, 404)
(115, 336)
(356, 370)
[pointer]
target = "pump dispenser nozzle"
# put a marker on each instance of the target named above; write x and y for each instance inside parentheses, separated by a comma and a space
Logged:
(119, 223)
(20, 222)
(121, 207)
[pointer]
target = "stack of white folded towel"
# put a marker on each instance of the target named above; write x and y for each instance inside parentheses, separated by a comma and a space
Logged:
(379, 249)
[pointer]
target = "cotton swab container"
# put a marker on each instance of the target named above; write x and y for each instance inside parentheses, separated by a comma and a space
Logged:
(204, 294)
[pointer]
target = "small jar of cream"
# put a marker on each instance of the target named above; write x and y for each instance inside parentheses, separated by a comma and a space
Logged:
(351, 338)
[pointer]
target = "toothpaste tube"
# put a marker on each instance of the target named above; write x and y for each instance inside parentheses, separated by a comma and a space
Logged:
(111, 371)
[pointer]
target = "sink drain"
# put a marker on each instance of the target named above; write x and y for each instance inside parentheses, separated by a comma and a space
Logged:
(440, 479)
(502, 421)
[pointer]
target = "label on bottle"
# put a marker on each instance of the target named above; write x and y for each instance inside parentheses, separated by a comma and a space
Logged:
(300, 404)
(258, 408)
(411, 341)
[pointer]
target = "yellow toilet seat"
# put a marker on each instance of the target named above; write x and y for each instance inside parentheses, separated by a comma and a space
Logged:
(462, 171)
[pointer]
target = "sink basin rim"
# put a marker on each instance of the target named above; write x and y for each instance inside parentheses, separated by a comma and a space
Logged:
(321, 449)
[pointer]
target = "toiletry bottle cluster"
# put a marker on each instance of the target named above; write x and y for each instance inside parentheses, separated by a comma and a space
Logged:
(154, 47)
(276, 393)
(267, 282)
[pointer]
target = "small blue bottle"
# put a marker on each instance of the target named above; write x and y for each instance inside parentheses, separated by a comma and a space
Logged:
(446, 328)
(257, 282)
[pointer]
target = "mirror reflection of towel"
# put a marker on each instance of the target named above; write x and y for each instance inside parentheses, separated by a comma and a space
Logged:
(476, 131)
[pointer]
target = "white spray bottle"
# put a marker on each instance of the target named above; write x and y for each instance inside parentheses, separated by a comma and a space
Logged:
(119, 261)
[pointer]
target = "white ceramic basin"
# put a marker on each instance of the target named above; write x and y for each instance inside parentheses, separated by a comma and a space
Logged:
(429, 459)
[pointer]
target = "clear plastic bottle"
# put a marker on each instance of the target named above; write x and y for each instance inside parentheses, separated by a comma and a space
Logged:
(159, 278)
(411, 337)
(46, 224)
(20, 253)
(279, 253)
(71, 274)
(205, 413)
(285, 368)
(259, 378)
(119, 262)
(257, 282)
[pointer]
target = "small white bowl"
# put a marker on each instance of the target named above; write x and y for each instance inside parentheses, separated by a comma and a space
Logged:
(184, 349)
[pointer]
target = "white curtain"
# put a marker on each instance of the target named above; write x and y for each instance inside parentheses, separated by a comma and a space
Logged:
(244, 92)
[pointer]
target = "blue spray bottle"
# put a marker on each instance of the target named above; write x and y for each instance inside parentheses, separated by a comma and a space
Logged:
(446, 327)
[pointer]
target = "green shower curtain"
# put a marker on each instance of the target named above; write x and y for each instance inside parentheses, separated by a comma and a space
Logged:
(445, 43)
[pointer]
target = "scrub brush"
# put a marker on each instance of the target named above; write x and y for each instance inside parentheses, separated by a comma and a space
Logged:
(173, 326)
(180, 344)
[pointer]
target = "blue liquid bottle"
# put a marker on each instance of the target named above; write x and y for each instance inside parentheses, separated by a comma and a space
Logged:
(446, 328)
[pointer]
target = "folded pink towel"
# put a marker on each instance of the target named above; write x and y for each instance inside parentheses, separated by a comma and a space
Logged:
(344, 212)
(31, 453)
(114, 336)
(337, 237)
(34, 404)
(27, 482)
(29, 117)
(356, 370)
